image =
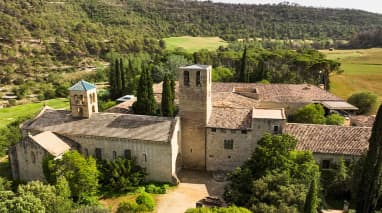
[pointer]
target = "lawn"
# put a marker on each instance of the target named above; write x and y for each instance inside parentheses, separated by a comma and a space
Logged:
(362, 71)
(7, 115)
(193, 44)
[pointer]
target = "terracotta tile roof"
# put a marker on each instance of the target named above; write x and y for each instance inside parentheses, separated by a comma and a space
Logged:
(227, 99)
(230, 118)
(114, 125)
(299, 93)
(330, 139)
(51, 143)
(362, 120)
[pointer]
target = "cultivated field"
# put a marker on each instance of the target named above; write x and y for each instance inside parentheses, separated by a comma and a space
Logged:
(362, 71)
(193, 44)
(7, 115)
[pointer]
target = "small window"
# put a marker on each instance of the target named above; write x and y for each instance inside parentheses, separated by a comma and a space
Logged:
(325, 164)
(228, 144)
(233, 131)
(198, 79)
(86, 152)
(144, 156)
(114, 155)
(229, 156)
(98, 154)
(33, 157)
(244, 132)
(213, 130)
(211, 156)
(276, 129)
(186, 78)
(93, 108)
(128, 154)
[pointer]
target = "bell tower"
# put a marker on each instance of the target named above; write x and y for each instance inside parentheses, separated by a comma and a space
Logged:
(194, 109)
(83, 99)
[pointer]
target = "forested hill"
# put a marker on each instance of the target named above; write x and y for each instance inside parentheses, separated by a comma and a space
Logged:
(37, 36)
(161, 18)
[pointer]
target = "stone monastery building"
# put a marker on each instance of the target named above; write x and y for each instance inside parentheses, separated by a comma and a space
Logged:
(217, 128)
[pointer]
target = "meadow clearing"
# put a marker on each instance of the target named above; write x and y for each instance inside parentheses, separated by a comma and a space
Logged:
(362, 71)
(193, 44)
(7, 115)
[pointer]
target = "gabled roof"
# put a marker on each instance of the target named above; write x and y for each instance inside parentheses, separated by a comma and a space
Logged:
(329, 139)
(110, 125)
(51, 143)
(82, 86)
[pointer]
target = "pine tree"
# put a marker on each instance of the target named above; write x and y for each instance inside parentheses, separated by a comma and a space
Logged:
(167, 105)
(370, 183)
(243, 68)
(311, 201)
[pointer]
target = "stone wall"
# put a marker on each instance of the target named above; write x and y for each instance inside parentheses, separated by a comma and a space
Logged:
(26, 159)
(195, 110)
(155, 157)
(219, 158)
(88, 104)
(319, 157)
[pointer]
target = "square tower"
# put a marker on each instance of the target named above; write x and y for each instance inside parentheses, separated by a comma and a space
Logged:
(194, 111)
(83, 99)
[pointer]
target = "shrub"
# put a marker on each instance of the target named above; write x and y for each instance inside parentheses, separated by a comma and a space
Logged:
(92, 209)
(335, 119)
(365, 101)
(127, 207)
(311, 114)
(146, 202)
(153, 189)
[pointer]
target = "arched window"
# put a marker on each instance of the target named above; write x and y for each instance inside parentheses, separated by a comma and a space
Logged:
(198, 79)
(91, 98)
(186, 78)
(94, 97)
(86, 152)
(144, 156)
(93, 108)
(33, 157)
(114, 155)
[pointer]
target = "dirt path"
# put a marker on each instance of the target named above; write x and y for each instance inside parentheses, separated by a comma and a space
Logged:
(193, 187)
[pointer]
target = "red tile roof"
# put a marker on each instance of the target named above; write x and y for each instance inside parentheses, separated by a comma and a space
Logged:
(330, 139)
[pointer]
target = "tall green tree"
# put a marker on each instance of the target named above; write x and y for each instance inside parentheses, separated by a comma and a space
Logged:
(123, 77)
(311, 201)
(146, 103)
(311, 114)
(167, 103)
(81, 174)
(118, 74)
(244, 67)
(371, 180)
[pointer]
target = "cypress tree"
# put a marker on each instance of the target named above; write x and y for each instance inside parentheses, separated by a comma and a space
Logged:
(112, 80)
(145, 104)
(152, 104)
(123, 77)
(243, 68)
(311, 201)
(130, 78)
(370, 182)
(118, 78)
(173, 92)
(166, 103)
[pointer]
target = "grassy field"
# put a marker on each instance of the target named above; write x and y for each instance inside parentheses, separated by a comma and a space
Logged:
(362, 71)
(193, 44)
(7, 115)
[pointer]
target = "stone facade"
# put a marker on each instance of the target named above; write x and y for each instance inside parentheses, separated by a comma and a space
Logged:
(220, 156)
(26, 160)
(83, 102)
(194, 109)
